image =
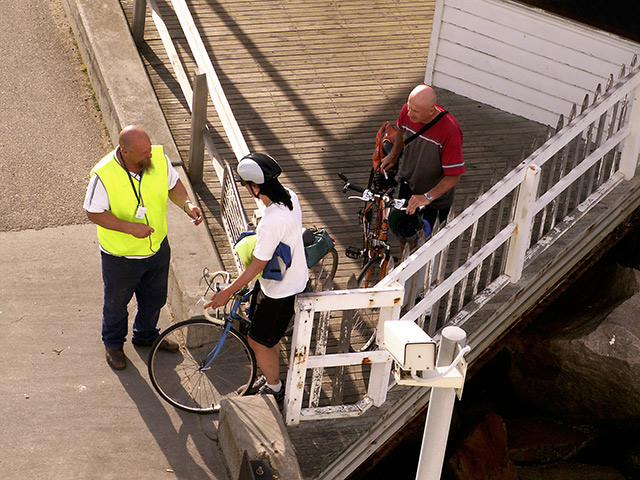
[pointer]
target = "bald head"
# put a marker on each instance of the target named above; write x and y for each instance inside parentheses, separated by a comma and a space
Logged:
(131, 135)
(135, 148)
(422, 104)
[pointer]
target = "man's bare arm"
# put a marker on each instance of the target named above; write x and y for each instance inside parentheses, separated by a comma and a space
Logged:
(109, 221)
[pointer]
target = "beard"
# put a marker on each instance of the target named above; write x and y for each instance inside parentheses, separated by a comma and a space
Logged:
(145, 165)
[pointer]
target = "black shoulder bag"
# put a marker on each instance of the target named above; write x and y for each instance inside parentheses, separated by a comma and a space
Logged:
(426, 127)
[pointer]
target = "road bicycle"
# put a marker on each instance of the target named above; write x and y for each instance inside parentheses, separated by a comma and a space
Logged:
(208, 356)
(212, 359)
(375, 255)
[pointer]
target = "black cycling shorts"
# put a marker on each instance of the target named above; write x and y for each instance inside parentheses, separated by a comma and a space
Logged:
(270, 317)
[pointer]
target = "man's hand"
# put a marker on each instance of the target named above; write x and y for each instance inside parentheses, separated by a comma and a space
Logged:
(140, 230)
(219, 299)
(415, 202)
(194, 212)
(387, 163)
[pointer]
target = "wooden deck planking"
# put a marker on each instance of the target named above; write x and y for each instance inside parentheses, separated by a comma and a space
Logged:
(310, 83)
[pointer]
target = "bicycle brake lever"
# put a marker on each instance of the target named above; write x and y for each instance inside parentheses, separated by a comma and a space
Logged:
(218, 286)
(367, 196)
(399, 204)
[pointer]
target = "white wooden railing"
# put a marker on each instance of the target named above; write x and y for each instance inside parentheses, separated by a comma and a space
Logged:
(492, 240)
(527, 211)
(205, 78)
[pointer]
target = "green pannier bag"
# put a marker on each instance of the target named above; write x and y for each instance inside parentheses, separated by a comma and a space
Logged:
(321, 245)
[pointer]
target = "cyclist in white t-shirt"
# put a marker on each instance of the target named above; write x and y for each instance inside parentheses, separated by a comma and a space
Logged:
(272, 303)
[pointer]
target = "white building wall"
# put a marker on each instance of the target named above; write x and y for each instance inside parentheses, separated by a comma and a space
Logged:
(520, 59)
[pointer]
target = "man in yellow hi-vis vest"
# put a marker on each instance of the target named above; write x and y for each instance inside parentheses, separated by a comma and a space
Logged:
(127, 198)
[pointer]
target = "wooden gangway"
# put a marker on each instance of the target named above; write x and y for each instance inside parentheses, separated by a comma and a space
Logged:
(310, 82)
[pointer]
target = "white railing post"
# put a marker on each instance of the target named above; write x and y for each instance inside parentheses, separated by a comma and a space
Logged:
(523, 219)
(203, 61)
(436, 428)
(380, 372)
(301, 338)
(631, 146)
(198, 119)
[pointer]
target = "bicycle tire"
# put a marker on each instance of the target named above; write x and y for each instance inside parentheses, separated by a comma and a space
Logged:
(178, 376)
(321, 274)
(365, 320)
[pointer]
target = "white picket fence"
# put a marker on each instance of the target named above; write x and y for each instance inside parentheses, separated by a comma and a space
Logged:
(527, 211)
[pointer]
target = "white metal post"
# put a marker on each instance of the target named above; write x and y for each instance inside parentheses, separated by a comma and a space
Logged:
(298, 362)
(524, 223)
(380, 372)
(631, 147)
(436, 428)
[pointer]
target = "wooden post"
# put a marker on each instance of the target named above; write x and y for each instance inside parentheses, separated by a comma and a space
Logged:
(524, 223)
(631, 147)
(139, 13)
(198, 120)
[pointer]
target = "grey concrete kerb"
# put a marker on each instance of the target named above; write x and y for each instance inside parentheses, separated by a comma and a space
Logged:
(254, 424)
(126, 97)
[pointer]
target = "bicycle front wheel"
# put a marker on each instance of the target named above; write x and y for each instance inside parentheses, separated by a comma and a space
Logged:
(187, 378)
(322, 273)
(365, 320)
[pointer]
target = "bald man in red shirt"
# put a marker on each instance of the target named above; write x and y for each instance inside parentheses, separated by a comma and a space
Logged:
(430, 165)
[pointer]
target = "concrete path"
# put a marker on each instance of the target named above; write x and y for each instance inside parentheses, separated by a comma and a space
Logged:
(65, 413)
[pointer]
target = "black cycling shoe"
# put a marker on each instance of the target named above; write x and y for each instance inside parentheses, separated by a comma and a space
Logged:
(279, 395)
(257, 385)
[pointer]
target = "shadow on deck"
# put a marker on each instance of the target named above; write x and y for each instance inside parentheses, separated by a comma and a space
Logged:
(310, 82)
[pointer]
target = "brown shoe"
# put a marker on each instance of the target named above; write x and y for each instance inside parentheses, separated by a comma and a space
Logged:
(116, 357)
(168, 345)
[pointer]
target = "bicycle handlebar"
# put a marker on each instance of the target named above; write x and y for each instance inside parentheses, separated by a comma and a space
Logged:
(371, 194)
(350, 186)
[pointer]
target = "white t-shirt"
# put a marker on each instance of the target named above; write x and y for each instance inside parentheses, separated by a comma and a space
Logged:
(96, 199)
(279, 224)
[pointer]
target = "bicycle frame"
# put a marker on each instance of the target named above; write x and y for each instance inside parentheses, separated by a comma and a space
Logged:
(228, 322)
(375, 231)
(375, 234)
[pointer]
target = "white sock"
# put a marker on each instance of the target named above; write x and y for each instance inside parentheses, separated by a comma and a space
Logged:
(276, 387)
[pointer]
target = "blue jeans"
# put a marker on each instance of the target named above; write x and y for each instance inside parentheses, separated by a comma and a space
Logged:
(147, 278)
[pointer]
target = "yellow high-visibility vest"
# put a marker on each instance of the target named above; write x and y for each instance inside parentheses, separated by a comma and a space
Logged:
(153, 191)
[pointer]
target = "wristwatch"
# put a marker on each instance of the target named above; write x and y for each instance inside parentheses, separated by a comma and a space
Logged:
(428, 197)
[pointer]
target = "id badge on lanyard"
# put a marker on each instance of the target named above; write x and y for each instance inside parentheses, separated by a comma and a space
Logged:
(141, 212)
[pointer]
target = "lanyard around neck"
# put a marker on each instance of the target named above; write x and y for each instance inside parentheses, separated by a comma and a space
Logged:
(135, 192)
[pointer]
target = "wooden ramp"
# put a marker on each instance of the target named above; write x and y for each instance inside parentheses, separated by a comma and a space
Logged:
(310, 82)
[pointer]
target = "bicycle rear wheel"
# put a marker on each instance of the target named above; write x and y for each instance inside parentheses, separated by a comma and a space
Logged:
(365, 320)
(184, 377)
(322, 273)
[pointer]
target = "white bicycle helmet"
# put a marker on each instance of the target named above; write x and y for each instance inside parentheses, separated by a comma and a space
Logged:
(258, 168)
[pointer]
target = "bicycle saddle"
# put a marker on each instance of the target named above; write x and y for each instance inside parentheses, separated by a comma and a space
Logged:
(308, 238)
